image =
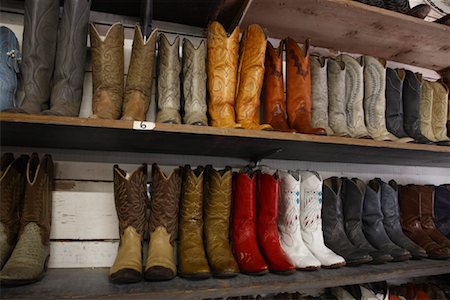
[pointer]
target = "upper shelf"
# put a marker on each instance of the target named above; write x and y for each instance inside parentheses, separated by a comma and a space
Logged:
(350, 26)
(114, 135)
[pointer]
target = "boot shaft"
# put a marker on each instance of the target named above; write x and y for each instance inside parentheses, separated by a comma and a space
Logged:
(353, 200)
(267, 193)
(311, 201)
(389, 204)
(332, 204)
(289, 202)
(409, 203)
(426, 110)
(394, 101)
(319, 93)
(337, 116)
(244, 189)
(192, 196)
(426, 201)
(440, 111)
(10, 58)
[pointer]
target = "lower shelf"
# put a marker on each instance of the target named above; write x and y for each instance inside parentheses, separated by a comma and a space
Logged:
(93, 283)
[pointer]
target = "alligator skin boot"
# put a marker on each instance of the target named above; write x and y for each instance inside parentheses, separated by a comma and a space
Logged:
(194, 83)
(138, 89)
(412, 89)
(273, 89)
(12, 182)
(426, 110)
(130, 197)
(311, 220)
(394, 103)
(160, 264)
(168, 81)
(373, 226)
(70, 62)
(222, 64)
(28, 261)
(319, 93)
(354, 95)
(245, 244)
(267, 193)
(441, 209)
(40, 28)
(352, 201)
(298, 93)
(333, 225)
(107, 72)
(391, 219)
(250, 77)
(409, 202)
(440, 112)
(289, 230)
(427, 216)
(374, 99)
(10, 58)
(337, 116)
(192, 262)
(218, 197)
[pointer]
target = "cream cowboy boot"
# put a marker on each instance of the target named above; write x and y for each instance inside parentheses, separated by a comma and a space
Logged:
(319, 93)
(337, 116)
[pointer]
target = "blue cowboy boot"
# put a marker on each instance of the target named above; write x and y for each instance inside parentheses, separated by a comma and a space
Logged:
(9, 67)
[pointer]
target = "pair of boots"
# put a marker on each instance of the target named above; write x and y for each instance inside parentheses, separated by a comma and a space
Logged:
(298, 89)
(193, 71)
(204, 224)
(362, 222)
(109, 100)
(417, 219)
(53, 57)
(10, 58)
(25, 217)
(401, 6)
(130, 194)
(235, 76)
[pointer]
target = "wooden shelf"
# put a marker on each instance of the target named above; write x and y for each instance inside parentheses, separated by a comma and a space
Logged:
(350, 26)
(93, 283)
(115, 135)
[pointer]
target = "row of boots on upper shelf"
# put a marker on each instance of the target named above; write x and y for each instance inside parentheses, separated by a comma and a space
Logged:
(280, 221)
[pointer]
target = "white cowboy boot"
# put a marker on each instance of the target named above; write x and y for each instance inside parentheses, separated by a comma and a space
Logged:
(319, 93)
(311, 220)
(337, 116)
(289, 225)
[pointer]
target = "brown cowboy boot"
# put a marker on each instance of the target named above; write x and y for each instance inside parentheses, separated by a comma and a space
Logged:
(299, 88)
(28, 261)
(130, 196)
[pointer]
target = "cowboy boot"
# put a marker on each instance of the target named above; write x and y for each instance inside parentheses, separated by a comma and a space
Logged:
(138, 89)
(273, 91)
(354, 95)
(353, 199)
(311, 220)
(409, 202)
(394, 104)
(374, 98)
(426, 110)
(217, 202)
(289, 225)
(9, 67)
(337, 117)
(160, 263)
(412, 89)
(440, 112)
(222, 75)
(333, 224)
(391, 220)
(245, 245)
(168, 82)
(28, 261)
(427, 216)
(107, 72)
(373, 226)
(11, 195)
(130, 197)
(250, 77)
(441, 208)
(68, 77)
(267, 233)
(319, 93)
(192, 261)
(38, 55)
(194, 83)
(298, 91)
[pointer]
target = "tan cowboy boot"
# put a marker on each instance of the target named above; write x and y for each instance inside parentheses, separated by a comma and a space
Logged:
(440, 111)
(426, 110)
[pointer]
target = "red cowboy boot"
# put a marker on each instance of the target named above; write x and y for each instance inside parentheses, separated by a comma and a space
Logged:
(245, 245)
(267, 225)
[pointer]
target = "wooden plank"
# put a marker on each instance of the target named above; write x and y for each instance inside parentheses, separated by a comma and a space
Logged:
(350, 26)
(82, 254)
(93, 283)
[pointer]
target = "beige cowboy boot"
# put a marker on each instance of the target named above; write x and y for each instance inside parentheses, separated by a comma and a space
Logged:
(337, 115)
(319, 93)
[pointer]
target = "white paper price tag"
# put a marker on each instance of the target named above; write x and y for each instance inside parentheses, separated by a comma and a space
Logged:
(143, 125)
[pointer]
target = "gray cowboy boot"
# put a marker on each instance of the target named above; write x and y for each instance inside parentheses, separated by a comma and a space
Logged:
(337, 117)
(169, 67)
(319, 93)
(71, 50)
(9, 67)
(194, 83)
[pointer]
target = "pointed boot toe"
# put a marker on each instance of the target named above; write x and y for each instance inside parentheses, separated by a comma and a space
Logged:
(420, 11)
(380, 257)
(124, 276)
(358, 257)
(159, 273)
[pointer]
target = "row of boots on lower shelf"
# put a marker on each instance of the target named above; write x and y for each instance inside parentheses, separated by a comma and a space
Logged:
(280, 221)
